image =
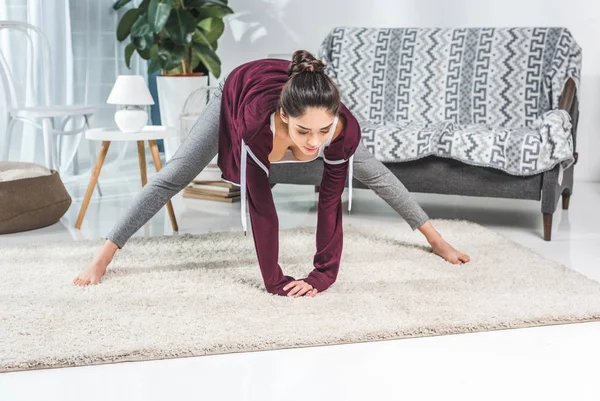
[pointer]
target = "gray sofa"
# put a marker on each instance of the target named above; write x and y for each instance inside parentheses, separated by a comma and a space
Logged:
(466, 111)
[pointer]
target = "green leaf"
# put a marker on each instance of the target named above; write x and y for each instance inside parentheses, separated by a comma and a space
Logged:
(180, 26)
(124, 27)
(195, 62)
(143, 43)
(213, 12)
(176, 70)
(158, 14)
(129, 49)
(153, 66)
(153, 52)
(170, 54)
(145, 54)
(204, 3)
(209, 58)
(145, 4)
(213, 28)
(119, 4)
(200, 38)
(195, 58)
(141, 27)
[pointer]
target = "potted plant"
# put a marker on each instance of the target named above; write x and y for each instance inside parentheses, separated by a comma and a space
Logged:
(179, 39)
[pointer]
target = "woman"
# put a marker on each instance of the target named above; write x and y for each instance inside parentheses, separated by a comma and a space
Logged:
(273, 111)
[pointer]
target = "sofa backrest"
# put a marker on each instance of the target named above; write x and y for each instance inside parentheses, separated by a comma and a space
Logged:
(498, 76)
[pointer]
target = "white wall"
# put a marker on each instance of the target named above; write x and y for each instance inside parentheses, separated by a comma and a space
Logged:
(262, 27)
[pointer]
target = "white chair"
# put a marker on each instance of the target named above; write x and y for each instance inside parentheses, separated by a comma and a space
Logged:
(193, 107)
(52, 119)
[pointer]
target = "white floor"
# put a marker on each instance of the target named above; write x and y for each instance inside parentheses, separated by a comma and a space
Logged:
(545, 363)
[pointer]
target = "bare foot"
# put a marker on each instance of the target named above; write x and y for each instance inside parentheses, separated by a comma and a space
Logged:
(443, 249)
(94, 272)
(90, 275)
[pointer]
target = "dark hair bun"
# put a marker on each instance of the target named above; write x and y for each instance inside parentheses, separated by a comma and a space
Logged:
(303, 61)
(308, 86)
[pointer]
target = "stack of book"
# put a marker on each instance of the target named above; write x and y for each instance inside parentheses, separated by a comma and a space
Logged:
(220, 191)
(208, 185)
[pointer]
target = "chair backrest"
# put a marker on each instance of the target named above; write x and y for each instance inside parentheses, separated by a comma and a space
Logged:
(497, 76)
(193, 107)
(38, 57)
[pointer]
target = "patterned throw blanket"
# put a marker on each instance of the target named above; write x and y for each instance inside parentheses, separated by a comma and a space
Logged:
(484, 96)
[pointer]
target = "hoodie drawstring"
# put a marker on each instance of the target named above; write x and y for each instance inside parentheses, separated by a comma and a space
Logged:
(243, 162)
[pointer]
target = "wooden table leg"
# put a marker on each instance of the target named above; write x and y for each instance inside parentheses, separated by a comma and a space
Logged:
(158, 165)
(142, 159)
(93, 181)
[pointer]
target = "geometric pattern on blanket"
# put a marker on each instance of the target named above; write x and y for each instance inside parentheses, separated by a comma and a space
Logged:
(516, 151)
(484, 96)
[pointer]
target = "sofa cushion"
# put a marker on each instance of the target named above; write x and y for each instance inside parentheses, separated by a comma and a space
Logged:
(517, 151)
(31, 197)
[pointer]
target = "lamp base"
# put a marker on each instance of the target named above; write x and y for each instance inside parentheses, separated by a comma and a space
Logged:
(131, 120)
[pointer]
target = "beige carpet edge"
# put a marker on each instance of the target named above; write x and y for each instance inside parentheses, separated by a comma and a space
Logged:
(425, 332)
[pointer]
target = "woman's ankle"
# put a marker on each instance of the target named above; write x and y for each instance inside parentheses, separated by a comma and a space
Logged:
(107, 253)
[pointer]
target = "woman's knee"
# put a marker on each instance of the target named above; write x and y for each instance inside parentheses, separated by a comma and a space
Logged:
(369, 170)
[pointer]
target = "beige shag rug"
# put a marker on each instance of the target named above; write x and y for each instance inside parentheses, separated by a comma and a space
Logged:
(189, 295)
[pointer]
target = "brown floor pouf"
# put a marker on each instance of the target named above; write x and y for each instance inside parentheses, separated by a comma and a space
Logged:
(30, 197)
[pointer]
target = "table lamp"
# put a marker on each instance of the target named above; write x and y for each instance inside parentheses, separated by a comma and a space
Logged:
(131, 93)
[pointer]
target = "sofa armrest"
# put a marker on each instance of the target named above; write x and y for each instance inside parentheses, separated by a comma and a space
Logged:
(567, 96)
(551, 189)
(569, 102)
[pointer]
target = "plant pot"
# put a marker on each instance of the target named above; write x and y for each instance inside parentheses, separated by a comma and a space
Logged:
(173, 91)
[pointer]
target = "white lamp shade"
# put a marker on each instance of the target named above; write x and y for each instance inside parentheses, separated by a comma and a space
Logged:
(130, 90)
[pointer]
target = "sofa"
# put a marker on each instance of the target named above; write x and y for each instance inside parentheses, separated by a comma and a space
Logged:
(487, 112)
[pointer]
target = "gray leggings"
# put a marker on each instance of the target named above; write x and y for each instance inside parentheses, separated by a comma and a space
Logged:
(200, 147)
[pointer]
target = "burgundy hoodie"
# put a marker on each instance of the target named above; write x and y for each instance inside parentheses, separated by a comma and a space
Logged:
(250, 95)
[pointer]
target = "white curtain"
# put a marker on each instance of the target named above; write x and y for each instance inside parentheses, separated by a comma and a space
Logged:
(86, 59)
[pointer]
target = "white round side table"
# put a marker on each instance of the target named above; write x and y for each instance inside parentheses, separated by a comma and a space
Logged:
(149, 133)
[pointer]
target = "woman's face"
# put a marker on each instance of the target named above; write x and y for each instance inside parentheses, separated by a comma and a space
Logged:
(310, 130)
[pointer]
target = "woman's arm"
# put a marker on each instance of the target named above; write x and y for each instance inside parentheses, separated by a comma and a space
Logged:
(265, 228)
(329, 227)
(329, 214)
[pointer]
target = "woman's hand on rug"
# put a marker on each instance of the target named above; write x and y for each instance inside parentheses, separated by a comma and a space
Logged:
(300, 288)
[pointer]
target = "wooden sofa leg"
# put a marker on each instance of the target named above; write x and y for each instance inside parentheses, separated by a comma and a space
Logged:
(565, 199)
(317, 189)
(547, 226)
